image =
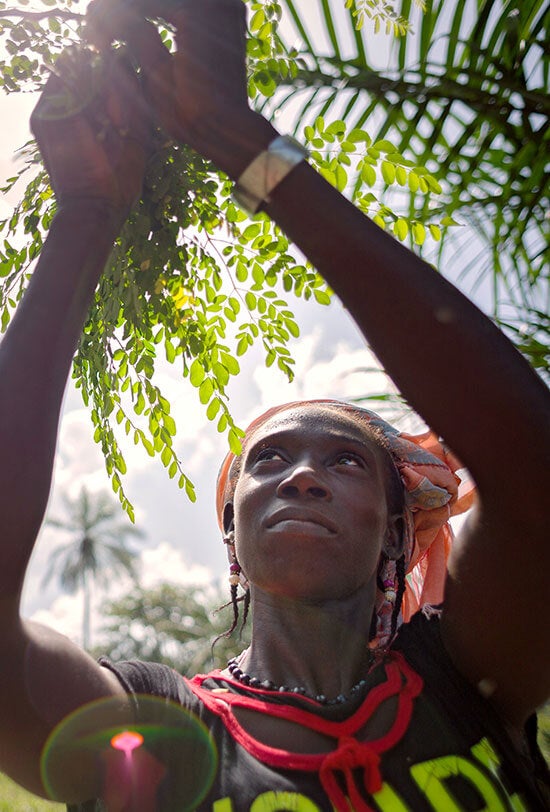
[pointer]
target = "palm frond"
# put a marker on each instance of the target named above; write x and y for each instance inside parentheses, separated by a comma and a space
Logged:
(98, 549)
(468, 92)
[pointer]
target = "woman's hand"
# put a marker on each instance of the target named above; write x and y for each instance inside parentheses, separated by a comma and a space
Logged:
(199, 93)
(93, 128)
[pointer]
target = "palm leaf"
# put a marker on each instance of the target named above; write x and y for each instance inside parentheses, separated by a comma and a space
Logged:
(98, 548)
(469, 92)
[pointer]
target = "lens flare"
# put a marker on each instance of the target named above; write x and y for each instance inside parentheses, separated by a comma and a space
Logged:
(149, 756)
(127, 741)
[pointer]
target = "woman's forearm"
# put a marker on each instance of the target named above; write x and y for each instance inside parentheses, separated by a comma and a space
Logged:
(451, 363)
(448, 359)
(35, 360)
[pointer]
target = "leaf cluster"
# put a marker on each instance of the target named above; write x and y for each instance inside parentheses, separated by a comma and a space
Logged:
(191, 281)
(32, 40)
(347, 156)
(382, 14)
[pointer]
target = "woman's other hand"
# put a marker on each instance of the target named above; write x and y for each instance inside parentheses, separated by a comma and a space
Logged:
(93, 128)
(199, 93)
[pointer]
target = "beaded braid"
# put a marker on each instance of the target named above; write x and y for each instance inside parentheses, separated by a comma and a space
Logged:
(234, 603)
(235, 606)
(246, 607)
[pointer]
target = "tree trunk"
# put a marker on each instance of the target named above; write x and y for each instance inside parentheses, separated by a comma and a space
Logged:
(86, 612)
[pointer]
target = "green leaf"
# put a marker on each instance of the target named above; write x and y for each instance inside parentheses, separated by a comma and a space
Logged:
(401, 175)
(206, 391)
(230, 363)
(388, 172)
(368, 175)
(414, 181)
(359, 136)
(401, 229)
(384, 146)
(252, 231)
(242, 345)
(419, 233)
(341, 178)
(257, 20)
(234, 442)
(435, 231)
(336, 128)
(321, 296)
(213, 408)
(196, 373)
(221, 374)
(190, 491)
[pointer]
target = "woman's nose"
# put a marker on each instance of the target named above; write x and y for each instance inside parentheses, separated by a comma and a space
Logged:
(304, 480)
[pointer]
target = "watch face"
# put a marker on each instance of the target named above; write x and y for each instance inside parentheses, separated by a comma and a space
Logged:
(267, 171)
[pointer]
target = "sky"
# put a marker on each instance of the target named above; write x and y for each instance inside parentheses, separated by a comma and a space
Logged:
(182, 541)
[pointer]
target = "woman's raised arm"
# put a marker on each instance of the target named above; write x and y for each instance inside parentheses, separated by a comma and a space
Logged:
(43, 677)
(448, 359)
(470, 385)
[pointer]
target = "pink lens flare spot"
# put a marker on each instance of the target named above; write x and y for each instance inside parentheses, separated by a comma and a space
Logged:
(128, 740)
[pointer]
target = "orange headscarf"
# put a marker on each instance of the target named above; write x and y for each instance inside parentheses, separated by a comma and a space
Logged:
(433, 493)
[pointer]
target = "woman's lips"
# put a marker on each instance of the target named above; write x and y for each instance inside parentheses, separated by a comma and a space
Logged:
(300, 521)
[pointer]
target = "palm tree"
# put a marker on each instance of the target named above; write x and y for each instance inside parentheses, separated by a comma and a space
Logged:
(97, 551)
(467, 97)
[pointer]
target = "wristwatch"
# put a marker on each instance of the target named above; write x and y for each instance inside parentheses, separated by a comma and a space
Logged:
(265, 173)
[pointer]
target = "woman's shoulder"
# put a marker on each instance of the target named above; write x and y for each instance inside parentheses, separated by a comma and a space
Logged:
(138, 677)
(421, 643)
(466, 705)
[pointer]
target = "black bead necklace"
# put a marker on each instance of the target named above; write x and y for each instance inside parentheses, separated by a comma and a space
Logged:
(266, 685)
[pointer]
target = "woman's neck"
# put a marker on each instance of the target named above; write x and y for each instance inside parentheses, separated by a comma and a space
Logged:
(319, 647)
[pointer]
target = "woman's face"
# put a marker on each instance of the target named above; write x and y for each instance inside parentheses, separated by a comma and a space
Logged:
(310, 506)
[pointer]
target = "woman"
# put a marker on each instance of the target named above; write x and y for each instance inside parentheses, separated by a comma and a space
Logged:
(312, 511)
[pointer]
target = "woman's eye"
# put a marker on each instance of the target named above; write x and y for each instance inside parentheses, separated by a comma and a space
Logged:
(350, 460)
(268, 454)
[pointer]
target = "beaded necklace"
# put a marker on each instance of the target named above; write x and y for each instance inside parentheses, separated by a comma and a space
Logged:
(267, 685)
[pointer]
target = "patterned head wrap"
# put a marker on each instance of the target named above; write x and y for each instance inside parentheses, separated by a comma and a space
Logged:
(432, 495)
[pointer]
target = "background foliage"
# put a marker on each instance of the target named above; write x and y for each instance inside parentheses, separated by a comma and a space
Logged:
(172, 624)
(191, 279)
(14, 798)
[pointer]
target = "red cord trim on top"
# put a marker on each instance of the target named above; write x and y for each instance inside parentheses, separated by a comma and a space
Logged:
(401, 681)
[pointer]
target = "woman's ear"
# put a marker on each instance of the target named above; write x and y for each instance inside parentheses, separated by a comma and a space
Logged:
(229, 531)
(394, 540)
(228, 519)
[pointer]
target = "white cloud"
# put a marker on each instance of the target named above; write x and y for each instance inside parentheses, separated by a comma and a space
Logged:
(165, 563)
(77, 456)
(64, 615)
(337, 372)
(206, 449)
